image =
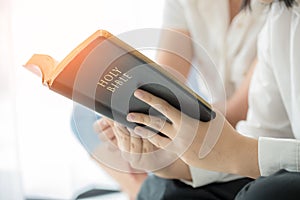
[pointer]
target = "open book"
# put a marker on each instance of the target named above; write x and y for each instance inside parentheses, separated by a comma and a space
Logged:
(102, 74)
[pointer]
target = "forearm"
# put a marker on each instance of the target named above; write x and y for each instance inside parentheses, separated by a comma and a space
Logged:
(238, 154)
(233, 153)
(237, 105)
(216, 146)
(236, 108)
(177, 170)
(175, 53)
(247, 157)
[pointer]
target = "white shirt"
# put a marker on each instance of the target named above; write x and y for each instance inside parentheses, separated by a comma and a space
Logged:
(274, 99)
(231, 46)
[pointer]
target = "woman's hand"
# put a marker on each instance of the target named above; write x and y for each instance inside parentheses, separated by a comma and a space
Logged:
(108, 153)
(142, 154)
(213, 145)
(132, 147)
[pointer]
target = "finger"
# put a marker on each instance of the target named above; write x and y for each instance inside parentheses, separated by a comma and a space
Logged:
(156, 123)
(159, 104)
(148, 147)
(135, 143)
(109, 133)
(122, 136)
(109, 121)
(108, 136)
(100, 125)
(140, 159)
(102, 136)
(124, 143)
(152, 137)
(103, 129)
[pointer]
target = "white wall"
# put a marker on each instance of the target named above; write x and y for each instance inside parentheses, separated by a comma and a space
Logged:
(10, 182)
(48, 150)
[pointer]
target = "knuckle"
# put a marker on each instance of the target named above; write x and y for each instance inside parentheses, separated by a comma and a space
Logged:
(145, 149)
(157, 142)
(141, 119)
(132, 146)
(124, 137)
(157, 123)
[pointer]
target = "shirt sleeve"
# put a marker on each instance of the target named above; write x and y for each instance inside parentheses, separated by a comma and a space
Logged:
(173, 15)
(201, 177)
(275, 154)
(267, 117)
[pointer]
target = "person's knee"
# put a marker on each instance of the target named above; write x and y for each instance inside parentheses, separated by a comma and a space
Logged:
(281, 185)
(158, 188)
(152, 188)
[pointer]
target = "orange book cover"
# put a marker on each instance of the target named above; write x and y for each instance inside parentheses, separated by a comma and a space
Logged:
(102, 74)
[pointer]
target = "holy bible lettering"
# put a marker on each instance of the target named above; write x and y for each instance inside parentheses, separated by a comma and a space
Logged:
(114, 79)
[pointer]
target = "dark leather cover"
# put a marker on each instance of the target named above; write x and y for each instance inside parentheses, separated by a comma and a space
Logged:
(109, 71)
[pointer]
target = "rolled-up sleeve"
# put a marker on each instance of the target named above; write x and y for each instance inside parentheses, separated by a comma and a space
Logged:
(174, 16)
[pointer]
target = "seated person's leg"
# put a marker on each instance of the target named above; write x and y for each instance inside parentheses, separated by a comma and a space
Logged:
(160, 188)
(281, 185)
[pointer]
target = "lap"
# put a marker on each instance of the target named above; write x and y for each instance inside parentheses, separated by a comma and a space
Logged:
(281, 185)
(159, 188)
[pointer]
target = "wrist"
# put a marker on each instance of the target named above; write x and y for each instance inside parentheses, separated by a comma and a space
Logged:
(246, 163)
(176, 170)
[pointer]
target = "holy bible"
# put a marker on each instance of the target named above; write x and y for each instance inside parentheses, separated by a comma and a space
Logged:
(102, 74)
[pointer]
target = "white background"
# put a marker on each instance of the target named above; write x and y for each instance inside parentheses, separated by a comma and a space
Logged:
(49, 158)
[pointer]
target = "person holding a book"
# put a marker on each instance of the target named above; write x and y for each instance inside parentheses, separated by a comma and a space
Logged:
(266, 145)
(229, 35)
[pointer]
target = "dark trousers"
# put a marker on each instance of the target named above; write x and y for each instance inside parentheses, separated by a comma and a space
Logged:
(155, 188)
(282, 185)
